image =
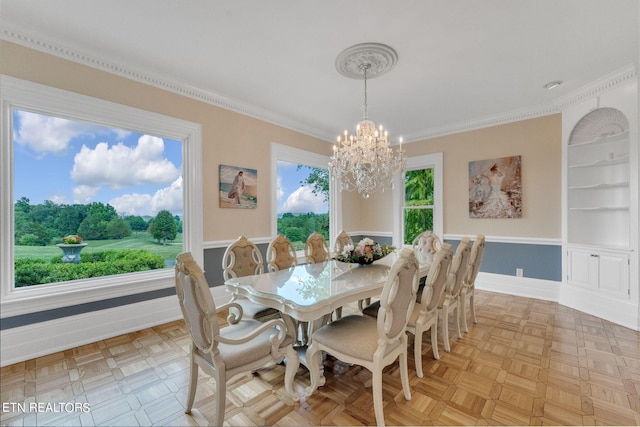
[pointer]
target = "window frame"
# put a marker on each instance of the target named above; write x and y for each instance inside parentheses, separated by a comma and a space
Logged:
(37, 98)
(426, 161)
(308, 158)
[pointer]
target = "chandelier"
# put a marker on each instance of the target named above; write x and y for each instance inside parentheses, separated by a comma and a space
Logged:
(365, 162)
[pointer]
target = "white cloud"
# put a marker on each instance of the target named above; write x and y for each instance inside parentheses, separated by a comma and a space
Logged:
(169, 198)
(45, 134)
(59, 200)
(279, 190)
(132, 204)
(83, 194)
(121, 166)
(303, 201)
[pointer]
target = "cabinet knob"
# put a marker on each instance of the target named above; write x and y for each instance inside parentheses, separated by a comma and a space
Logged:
(595, 255)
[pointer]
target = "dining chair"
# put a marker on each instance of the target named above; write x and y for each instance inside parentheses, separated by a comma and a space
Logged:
(242, 347)
(425, 313)
(469, 282)
(316, 248)
(425, 246)
(449, 304)
(373, 342)
(281, 254)
(243, 258)
(342, 239)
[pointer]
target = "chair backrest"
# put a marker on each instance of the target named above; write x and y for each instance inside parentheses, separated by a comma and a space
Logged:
(437, 278)
(425, 246)
(242, 258)
(196, 303)
(458, 269)
(342, 240)
(398, 297)
(316, 248)
(475, 259)
(281, 254)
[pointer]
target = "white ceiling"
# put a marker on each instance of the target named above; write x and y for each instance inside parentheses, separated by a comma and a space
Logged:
(459, 61)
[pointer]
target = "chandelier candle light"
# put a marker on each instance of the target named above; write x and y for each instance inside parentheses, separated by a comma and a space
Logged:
(365, 162)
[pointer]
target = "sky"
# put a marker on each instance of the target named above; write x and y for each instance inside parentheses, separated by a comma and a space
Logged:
(69, 162)
(292, 195)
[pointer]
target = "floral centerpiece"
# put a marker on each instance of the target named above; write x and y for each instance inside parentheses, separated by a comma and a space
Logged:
(72, 239)
(365, 252)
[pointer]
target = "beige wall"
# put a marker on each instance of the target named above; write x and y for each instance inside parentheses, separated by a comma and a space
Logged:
(234, 139)
(539, 143)
(227, 137)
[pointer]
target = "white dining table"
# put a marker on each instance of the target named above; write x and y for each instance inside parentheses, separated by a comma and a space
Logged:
(312, 292)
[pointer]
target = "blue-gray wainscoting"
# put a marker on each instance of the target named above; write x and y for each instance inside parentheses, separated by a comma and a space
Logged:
(539, 261)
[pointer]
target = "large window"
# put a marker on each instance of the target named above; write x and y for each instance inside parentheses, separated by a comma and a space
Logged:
(75, 165)
(304, 200)
(419, 206)
(92, 201)
(418, 203)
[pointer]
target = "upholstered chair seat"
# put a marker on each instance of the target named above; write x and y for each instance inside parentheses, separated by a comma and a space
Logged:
(241, 347)
(374, 342)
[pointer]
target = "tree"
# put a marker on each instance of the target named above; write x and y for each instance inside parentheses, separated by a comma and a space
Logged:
(24, 205)
(94, 226)
(163, 227)
(179, 222)
(69, 219)
(318, 179)
(418, 192)
(118, 228)
(137, 223)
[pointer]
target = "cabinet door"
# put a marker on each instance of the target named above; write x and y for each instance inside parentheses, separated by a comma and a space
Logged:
(582, 268)
(614, 274)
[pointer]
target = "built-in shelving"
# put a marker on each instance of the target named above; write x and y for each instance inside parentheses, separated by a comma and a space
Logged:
(601, 208)
(600, 186)
(621, 136)
(598, 180)
(603, 162)
(600, 205)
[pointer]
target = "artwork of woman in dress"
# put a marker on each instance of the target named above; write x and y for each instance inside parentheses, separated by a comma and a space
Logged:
(495, 188)
(238, 187)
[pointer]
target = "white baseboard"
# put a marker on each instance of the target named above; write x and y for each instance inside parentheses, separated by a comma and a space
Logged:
(598, 304)
(547, 290)
(39, 339)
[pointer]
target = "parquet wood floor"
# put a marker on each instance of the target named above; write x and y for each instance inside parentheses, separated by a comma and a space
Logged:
(526, 362)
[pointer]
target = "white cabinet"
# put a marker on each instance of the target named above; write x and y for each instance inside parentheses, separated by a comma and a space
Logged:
(600, 191)
(605, 271)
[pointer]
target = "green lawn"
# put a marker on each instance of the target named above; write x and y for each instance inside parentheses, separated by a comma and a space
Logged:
(139, 240)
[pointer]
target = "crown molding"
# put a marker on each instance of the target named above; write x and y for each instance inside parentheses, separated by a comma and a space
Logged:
(35, 42)
(614, 79)
(485, 122)
(38, 43)
(595, 88)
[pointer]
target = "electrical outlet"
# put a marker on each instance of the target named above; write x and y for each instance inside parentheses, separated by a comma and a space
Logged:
(519, 272)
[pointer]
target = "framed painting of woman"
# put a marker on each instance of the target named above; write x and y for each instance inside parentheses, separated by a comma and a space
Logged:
(495, 188)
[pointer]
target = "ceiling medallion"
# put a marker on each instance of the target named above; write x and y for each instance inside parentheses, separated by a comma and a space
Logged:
(380, 57)
(365, 162)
